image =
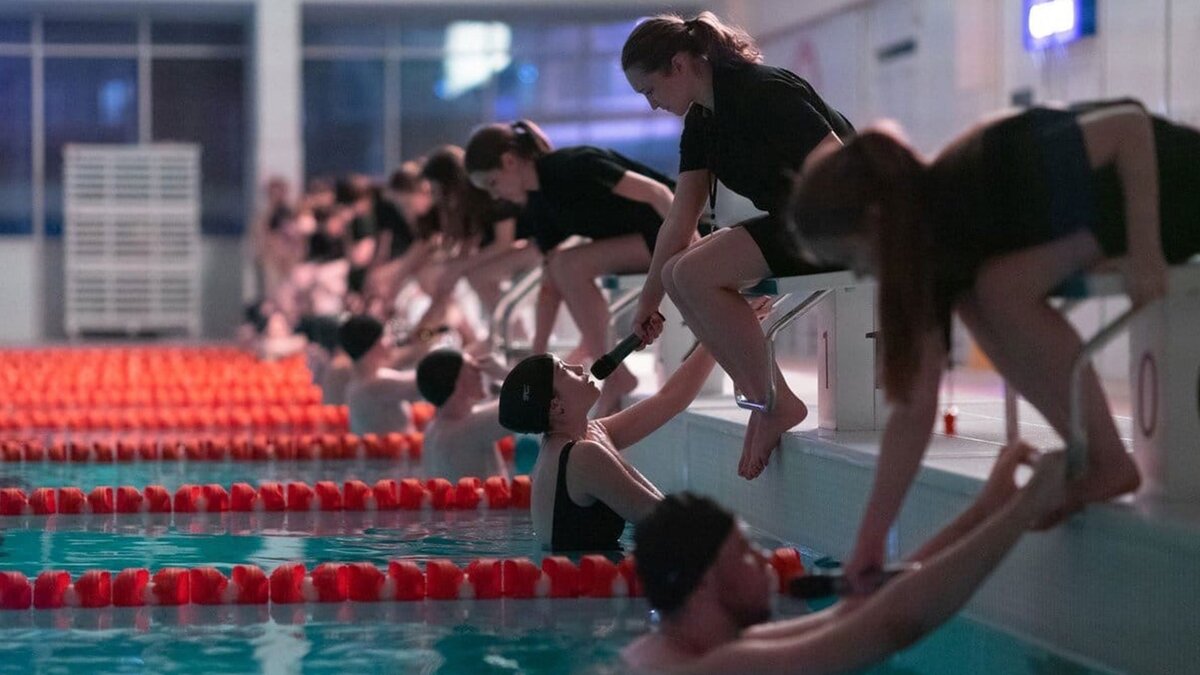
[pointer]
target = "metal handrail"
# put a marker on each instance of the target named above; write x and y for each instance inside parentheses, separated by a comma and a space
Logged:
(498, 331)
(779, 324)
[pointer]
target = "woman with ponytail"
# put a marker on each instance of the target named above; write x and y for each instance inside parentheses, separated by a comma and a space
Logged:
(750, 126)
(614, 201)
(1003, 216)
(485, 240)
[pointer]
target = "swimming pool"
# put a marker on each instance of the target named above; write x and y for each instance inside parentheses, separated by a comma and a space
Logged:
(575, 635)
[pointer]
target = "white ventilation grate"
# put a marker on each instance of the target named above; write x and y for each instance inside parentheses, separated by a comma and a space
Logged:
(132, 236)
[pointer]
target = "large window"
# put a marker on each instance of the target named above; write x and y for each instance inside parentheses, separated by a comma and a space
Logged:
(441, 78)
(16, 167)
(200, 101)
(343, 127)
(118, 80)
(87, 101)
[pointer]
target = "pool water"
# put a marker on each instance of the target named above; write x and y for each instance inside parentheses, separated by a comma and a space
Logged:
(172, 474)
(502, 636)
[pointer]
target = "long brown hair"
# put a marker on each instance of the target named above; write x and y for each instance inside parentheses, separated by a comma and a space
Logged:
(462, 207)
(655, 41)
(489, 142)
(874, 188)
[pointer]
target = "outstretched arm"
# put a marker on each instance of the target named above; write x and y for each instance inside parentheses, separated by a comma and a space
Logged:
(904, 442)
(639, 188)
(997, 491)
(910, 606)
(599, 473)
(645, 417)
(1123, 136)
(674, 236)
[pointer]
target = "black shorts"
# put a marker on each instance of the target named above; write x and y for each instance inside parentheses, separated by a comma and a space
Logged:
(1178, 151)
(778, 247)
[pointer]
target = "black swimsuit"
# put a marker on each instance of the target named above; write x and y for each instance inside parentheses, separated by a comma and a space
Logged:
(581, 528)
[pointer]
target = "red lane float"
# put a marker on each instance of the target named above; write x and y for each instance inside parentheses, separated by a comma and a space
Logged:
(354, 495)
(596, 576)
(217, 448)
(15, 591)
(407, 580)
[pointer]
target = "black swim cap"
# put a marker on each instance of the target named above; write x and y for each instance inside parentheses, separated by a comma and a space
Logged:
(359, 334)
(437, 374)
(676, 544)
(526, 394)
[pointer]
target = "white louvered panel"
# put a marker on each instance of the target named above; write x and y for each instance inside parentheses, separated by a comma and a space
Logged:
(132, 235)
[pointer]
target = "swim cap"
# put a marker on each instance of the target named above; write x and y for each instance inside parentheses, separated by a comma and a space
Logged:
(526, 394)
(359, 334)
(437, 374)
(676, 544)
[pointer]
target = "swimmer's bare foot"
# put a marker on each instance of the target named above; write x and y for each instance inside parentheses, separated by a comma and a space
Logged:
(616, 386)
(1117, 476)
(788, 412)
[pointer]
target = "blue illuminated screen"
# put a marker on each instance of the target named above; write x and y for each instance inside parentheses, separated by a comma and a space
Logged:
(1049, 23)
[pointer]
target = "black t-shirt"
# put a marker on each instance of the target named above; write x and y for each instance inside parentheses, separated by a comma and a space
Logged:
(496, 212)
(388, 218)
(324, 248)
(363, 226)
(575, 197)
(766, 121)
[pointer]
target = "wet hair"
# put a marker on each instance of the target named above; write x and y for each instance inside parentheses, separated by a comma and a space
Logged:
(489, 142)
(406, 179)
(655, 41)
(676, 544)
(876, 188)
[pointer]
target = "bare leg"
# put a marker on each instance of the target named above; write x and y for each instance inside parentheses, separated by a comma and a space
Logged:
(486, 277)
(575, 271)
(707, 281)
(1033, 345)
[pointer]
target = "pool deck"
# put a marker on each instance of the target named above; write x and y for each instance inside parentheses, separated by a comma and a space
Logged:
(1116, 587)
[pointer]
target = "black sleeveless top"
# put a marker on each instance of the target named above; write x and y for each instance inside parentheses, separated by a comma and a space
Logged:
(581, 528)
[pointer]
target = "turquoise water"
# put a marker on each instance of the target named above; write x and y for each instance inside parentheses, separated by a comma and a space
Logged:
(551, 636)
(172, 474)
(507, 636)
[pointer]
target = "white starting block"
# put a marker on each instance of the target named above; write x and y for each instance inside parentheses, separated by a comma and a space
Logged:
(849, 397)
(1164, 377)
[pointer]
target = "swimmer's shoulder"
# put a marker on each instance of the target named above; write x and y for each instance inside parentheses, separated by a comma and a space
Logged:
(652, 654)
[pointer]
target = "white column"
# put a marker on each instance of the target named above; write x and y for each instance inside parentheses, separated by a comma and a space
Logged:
(277, 104)
(278, 93)
(1164, 379)
(848, 398)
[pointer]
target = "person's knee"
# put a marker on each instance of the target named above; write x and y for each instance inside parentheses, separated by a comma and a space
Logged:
(690, 279)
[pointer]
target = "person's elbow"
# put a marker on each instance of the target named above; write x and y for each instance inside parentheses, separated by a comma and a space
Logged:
(901, 628)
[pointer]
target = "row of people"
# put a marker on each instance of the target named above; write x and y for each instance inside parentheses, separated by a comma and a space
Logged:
(1005, 214)
(1008, 211)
